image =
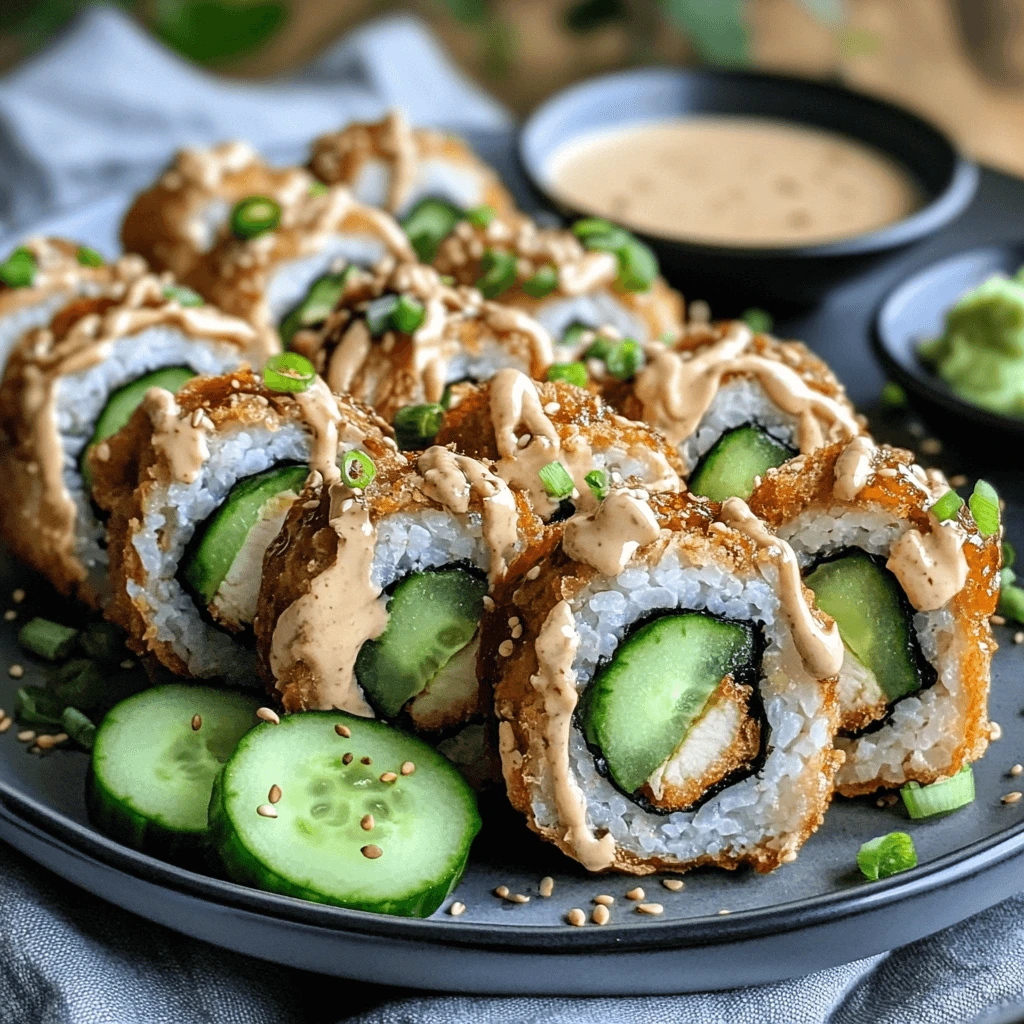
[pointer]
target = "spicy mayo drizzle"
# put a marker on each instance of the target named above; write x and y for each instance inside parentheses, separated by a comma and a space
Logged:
(931, 567)
(608, 538)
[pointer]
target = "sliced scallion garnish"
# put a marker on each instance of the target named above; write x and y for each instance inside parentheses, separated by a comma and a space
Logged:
(556, 480)
(408, 314)
(416, 426)
(638, 266)
(939, 797)
(542, 283)
(893, 396)
(760, 321)
(182, 295)
(19, 269)
(597, 481)
(625, 359)
(947, 506)
(886, 855)
(254, 216)
(318, 188)
(599, 348)
(499, 272)
(984, 503)
(79, 727)
(571, 373)
(47, 639)
(1009, 555)
(35, 705)
(88, 257)
(573, 334)
(1011, 602)
(1007, 577)
(288, 371)
(357, 469)
(428, 224)
(481, 216)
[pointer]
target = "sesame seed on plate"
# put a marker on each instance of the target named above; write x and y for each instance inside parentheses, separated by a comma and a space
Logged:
(635, 894)
(518, 897)
(127, 664)
(673, 884)
(600, 914)
(274, 796)
(10, 615)
(18, 595)
(653, 909)
(931, 446)
(366, 823)
(1018, 637)
(1016, 770)
(505, 648)
(457, 909)
(268, 715)
(547, 886)
(958, 481)
(371, 852)
(995, 731)
(1012, 798)
(266, 811)
(388, 777)
(604, 900)
(16, 671)
(5, 724)
(197, 723)
(723, 912)
(408, 767)
(576, 917)
(501, 891)
(26, 735)
(343, 730)
(997, 620)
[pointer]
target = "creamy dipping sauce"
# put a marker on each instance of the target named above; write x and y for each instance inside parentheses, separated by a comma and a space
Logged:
(743, 181)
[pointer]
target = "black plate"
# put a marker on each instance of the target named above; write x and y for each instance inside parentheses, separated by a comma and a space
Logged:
(797, 274)
(916, 310)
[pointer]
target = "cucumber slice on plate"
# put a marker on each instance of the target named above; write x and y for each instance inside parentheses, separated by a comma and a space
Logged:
(366, 817)
(152, 769)
(730, 467)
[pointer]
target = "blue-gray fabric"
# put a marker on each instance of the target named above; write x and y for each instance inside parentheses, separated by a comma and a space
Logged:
(103, 108)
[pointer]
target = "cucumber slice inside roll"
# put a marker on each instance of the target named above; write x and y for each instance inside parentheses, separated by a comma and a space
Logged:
(737, 458)
(367, 817)
(152, 768)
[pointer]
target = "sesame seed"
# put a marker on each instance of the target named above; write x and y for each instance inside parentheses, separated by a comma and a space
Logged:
(26, 735)
(10, 615)
(654, 909)
(879, 802)
(371, 852)
(268, 715)
(635, 894)
(408, 767)
(127, 664)
(501, 891)
(457, 909)
(1012, 798)
(5, 724)
(995, 731)
(997, 620)
(547, 886)
(723, 912)
(274, 796)
(673, 884)
(388, 777)
(576, 917)
(790, 855)
(601, 914)
(366, 823)
(518, 897)
(513, 622)
(16, 671)
(366, 760)
(46, 742)
(505, 648)
(958, 481)
(604, 900)
(1016, 770)
(343, 730)
(197, 723)
(17, 596)
(533, 573)
(266, 811)
(59, 738)
(488, 603)
(346, 759)
(517, 632)
(931, 446)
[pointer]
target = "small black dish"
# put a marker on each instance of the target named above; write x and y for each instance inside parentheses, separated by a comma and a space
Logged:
(915, 311)
(796, 275)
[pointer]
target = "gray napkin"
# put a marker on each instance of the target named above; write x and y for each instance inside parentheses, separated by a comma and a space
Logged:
(101, 110)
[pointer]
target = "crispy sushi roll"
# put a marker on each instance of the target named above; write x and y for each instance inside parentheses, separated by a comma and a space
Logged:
(183, 215)
(734, 404)
(524, 426)
(670, 699)
(399, 336)
(571, 284)
(44, 274)
(197, 486)
(391, 165)
(68, 387)
(912, 598)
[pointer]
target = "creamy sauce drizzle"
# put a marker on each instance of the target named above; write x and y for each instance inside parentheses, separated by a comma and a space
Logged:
(931, 567)
(820, 649)
(608, 538)
(320, 411)
(182, 440)
(399, 146)
(853, 468)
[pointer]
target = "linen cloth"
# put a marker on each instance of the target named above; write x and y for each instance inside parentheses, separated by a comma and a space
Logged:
(103, 108)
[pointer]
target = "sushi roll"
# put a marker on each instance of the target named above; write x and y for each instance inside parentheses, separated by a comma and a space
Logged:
(912, 596)
(733, 403)
(410, 172)
(668, 700)
(69, 387)
(399, 336)
(197, 486)
(181, 217)
(525, 427)
(573, 282)
(44, 274)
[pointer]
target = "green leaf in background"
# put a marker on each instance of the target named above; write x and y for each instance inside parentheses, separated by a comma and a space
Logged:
(717, 29)
(209, 31)
(590, 15)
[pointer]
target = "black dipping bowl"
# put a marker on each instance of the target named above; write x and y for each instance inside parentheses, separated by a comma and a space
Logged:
(915, 311)
(733, 277)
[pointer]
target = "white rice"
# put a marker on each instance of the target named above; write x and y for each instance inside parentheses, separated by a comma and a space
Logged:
(594, 310)
(410, 542)
(763, 809)
(462, 185)
(482, 365)
(927, 726)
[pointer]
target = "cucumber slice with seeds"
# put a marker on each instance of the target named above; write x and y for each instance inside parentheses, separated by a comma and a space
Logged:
(339, 834)
(729, 468)
(152, 771)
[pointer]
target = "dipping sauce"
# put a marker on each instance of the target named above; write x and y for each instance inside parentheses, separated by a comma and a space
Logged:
(743, 181)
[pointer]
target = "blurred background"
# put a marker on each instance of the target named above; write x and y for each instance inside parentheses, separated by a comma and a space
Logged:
(959, 62)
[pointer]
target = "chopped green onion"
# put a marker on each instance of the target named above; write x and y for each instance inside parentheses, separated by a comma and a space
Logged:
(893, 396)
(78, 727)
(556, 480)
(182, 296)
(499, 272)
(88, 257)
(357, 469)
(81, 683)
(1007, 577)
(599, 348)
(760, 321)
(35, 706)
(288, 371)
(19, 269)
(984, 504)
(318, 188)
(379, 313)
(1009, 555)
(571, 373)
(597, 481)
(573, 334)
(447, 280)
(408, 314)
(625, 359)
(428, 224)
(416, 426)
(597, 233)
(481, 216)
(939, 797)
(255, 216)
(103, 641)
(887, 855)
(49, 640)
(638, 266)
(542, 283)
(947, 506)
(1011, 603)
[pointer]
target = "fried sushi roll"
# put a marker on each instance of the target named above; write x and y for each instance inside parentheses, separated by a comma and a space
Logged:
(912, 598)
(197, 486)
(734, 404)
(528, 428)
(68, 388)
(44, 274)
(399, 168)
(670, 700)
(399, 336)
(571, 281)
